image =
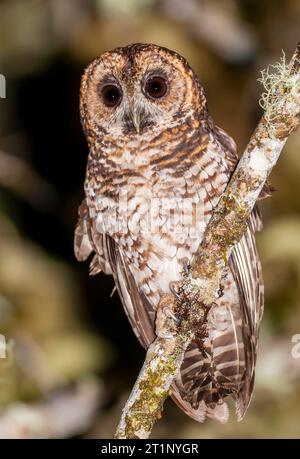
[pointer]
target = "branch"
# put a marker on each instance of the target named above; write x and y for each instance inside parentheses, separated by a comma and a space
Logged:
(198, 289)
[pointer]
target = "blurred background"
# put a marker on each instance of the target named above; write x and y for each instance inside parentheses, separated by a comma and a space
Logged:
(71, 357)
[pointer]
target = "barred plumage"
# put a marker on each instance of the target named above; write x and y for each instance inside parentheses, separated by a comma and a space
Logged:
(156, 169)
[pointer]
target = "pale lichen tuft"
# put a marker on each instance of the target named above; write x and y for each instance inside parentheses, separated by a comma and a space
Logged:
(282, 92)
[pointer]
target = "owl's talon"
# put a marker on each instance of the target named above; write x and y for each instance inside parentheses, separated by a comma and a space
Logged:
(220, 292)
(172, 287)
(168, 312)
(165, 335)
(186, 265)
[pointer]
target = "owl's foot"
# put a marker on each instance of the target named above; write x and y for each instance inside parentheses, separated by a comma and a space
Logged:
(166, 320)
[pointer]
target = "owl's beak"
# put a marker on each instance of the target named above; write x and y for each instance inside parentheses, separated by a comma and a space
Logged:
(136, 119)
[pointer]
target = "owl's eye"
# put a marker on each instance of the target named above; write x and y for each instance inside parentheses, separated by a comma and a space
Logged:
(111, 95)
(156, 87)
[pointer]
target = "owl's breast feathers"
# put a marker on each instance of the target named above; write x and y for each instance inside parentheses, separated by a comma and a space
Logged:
(147, 205)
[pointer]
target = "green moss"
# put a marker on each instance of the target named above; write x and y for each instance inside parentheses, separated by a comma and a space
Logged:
(149, 405)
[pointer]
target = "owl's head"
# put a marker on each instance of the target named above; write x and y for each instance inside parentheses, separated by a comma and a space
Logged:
(131, 89)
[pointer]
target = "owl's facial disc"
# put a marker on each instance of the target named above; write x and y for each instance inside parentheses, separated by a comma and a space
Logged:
(140, 87)
(129, 102)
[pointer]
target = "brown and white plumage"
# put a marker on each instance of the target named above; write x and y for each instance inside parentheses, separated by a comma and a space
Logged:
(153, 160)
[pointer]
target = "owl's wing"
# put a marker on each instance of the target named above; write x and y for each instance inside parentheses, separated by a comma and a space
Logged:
(138, 309)
(86, 241)
(82, 241)
(108, 257)
(246, 268)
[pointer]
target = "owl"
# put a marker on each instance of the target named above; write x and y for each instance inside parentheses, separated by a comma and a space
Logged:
(156, 169)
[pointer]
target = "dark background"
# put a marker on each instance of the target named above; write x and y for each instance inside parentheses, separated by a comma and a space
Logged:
(66, 336)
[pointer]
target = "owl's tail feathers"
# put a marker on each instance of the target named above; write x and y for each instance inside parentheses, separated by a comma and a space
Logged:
(219, 413)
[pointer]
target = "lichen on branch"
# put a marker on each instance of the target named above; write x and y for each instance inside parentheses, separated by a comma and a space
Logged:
(280, 99)
(145, 405)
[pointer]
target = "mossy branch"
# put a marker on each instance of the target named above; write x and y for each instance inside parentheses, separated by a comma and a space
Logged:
(199, 287)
